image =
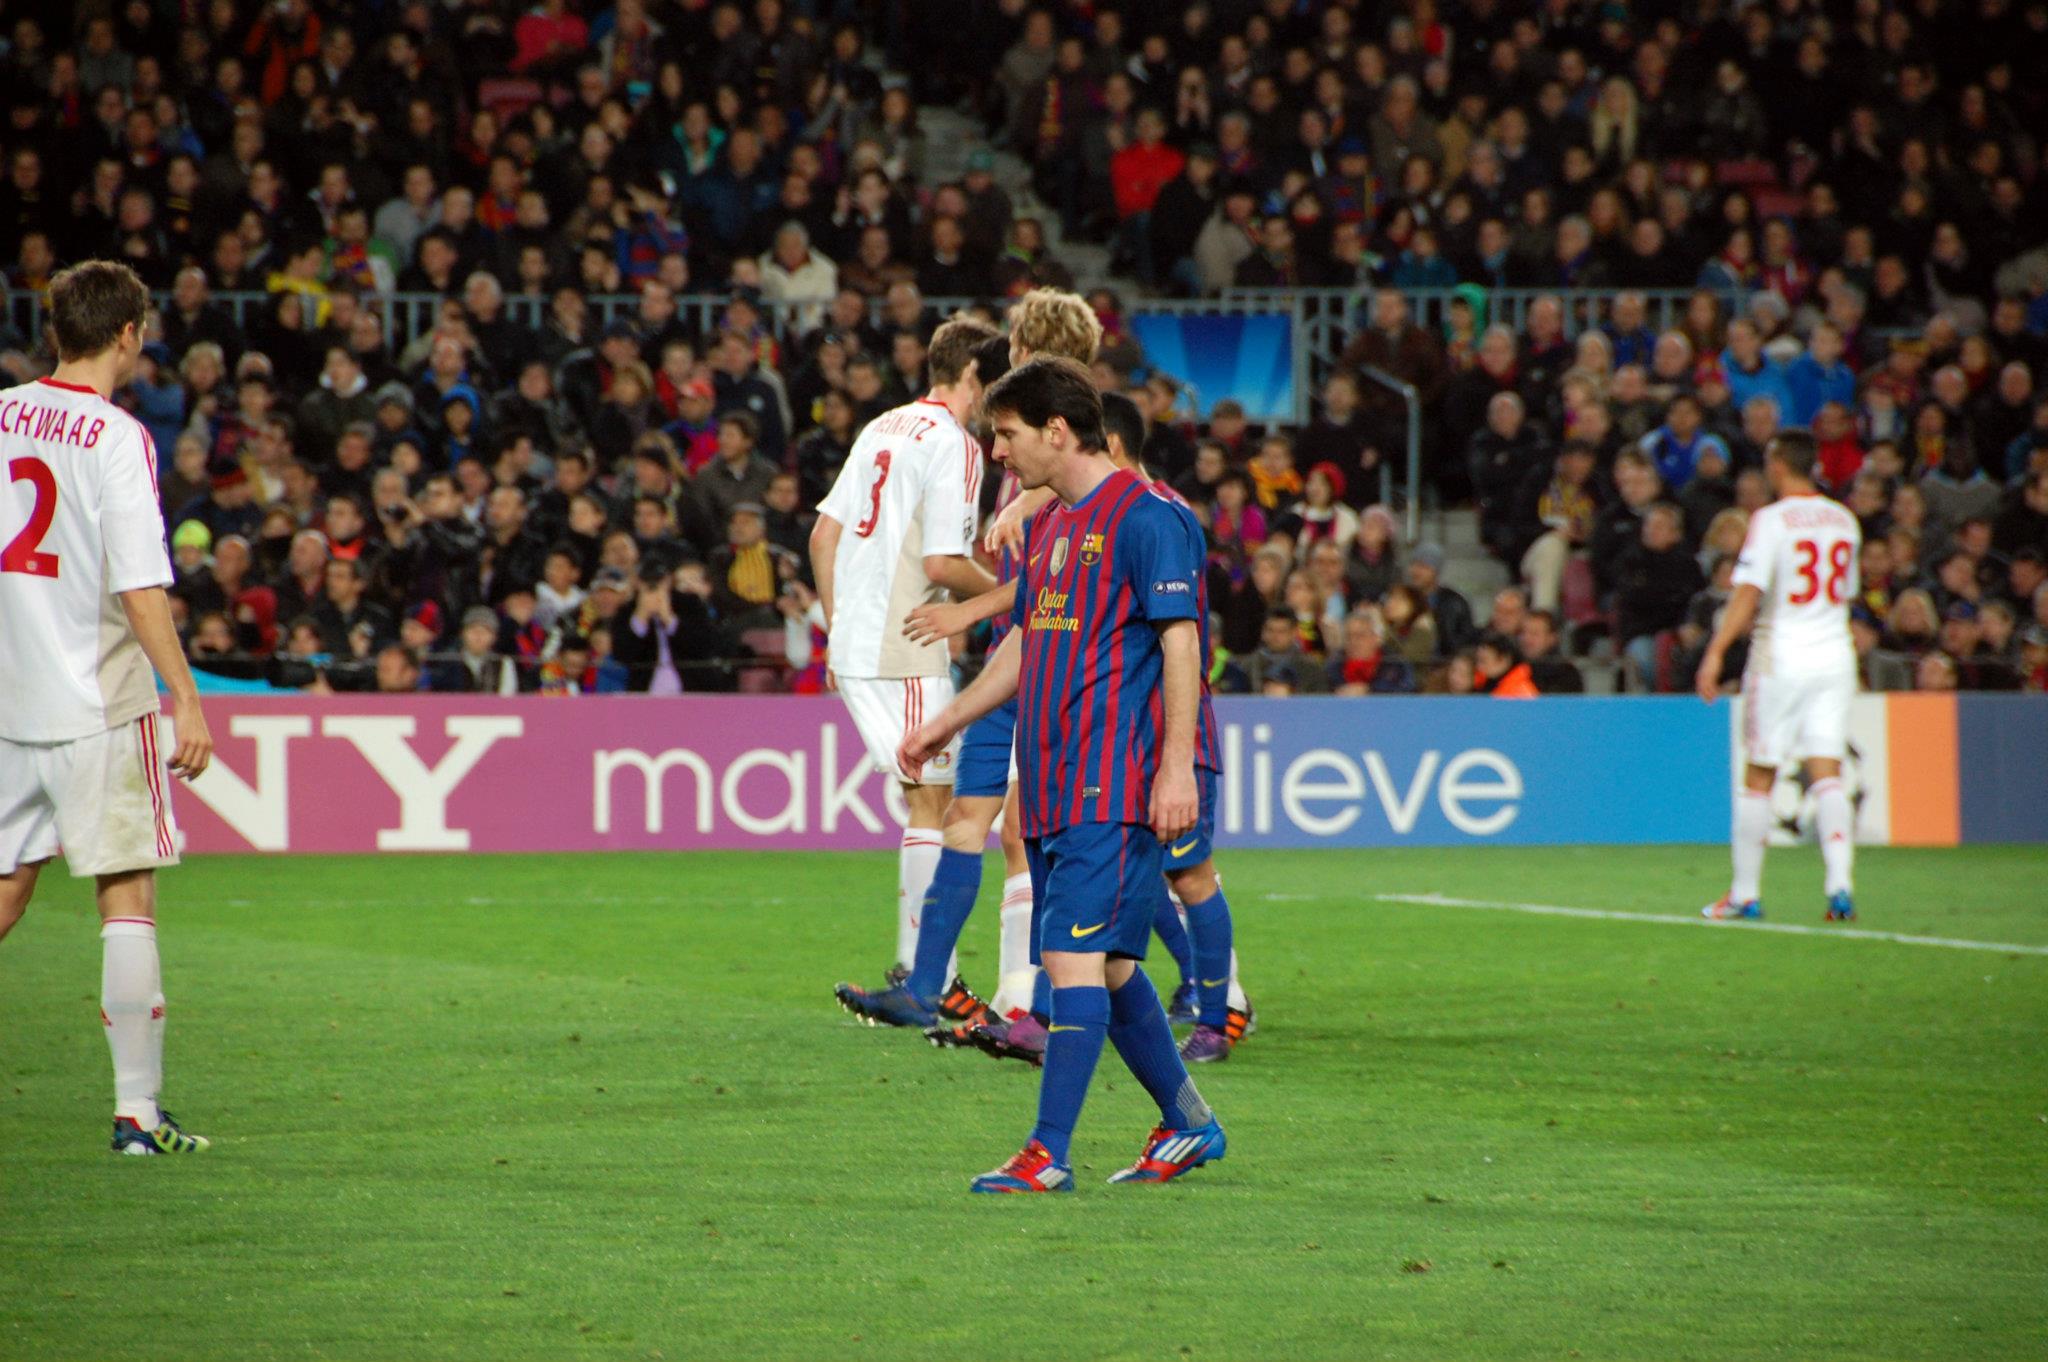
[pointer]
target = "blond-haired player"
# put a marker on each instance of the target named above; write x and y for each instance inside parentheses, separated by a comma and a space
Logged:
(1043, 321)
(1796, 579)
(83, 619)
(895, 531)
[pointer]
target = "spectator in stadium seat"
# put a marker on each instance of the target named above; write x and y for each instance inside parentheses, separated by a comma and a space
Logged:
(1542, 650)
(1363, 667)
(1228, 238)
(398, 670)
(346, 612)
(738, 475)
(1554, 515)
(1674, 447)
(1410, 629)
(1958, 490)
(1498, 669)
(1452, 612)
(747, 571)
(667, 631)
(1501, 457)
(1280, 656)
(1655, 582)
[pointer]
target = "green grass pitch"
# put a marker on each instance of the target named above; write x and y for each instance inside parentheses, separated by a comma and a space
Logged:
(604, 1107)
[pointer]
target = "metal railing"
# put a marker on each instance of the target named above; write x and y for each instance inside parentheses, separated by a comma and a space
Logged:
(1323, 320)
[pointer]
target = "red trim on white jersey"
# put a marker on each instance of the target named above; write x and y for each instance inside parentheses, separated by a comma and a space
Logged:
(74, 388)
(146, 727)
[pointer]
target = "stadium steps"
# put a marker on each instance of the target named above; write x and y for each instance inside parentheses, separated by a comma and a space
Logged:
(951, 135)
(1469, 569)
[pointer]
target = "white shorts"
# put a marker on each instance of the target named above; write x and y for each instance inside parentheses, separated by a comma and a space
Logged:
(105, 799)
(1786, 719)
(886, 708)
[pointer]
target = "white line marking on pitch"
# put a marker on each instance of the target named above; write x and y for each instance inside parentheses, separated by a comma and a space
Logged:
(1788, 928)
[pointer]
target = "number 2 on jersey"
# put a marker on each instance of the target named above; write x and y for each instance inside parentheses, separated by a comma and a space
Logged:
(874, 515)
(22, 555)
(1808, 568)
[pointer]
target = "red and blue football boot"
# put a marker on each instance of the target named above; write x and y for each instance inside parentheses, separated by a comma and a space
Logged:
(1170, 1153)
(1030, 1169)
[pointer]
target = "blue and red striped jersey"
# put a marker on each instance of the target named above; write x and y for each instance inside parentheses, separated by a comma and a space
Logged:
(1208, 749)
(1099, 576)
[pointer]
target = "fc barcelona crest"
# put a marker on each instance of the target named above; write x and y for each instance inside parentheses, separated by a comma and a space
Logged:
(1059, 556)
(1091, 549)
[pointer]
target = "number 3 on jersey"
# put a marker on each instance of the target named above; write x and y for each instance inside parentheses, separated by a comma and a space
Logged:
(22, 554)
(1808, 568)
(874, 515)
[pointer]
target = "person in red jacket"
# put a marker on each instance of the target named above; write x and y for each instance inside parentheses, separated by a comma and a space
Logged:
(1136, 175)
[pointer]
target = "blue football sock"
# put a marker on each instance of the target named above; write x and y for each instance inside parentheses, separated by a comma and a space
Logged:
(1041, 997)
(947, 903)
(1209, 924)
(1080, 1018)
(1173, 934)
(1139, 1030)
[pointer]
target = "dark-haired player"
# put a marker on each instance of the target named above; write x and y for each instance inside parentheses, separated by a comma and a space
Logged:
(83, 619)
(1104, 658)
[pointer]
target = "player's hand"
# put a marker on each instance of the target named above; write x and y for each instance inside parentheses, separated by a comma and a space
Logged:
(1175, 804)
(1706, 682)
(919, 746)
(930, 623)
(195, 742)
(1006, 531)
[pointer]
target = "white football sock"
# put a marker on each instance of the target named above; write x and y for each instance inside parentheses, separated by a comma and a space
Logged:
(1236, 998)
(1015, 972)
(916, 862)
(131, 1004)
(1835, 825)
(1752, 832)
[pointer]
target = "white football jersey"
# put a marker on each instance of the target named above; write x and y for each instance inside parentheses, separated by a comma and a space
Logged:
(1802, 553)
(79, 522)
(910, 487)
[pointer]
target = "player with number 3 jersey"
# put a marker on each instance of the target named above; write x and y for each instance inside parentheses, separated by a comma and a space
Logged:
(1796, 579)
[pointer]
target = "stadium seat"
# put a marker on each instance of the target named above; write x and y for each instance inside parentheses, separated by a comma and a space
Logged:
(1749, 173)
(508, 96)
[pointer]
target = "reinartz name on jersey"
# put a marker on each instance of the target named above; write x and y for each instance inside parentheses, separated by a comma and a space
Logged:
(903, 421)
(32, 422)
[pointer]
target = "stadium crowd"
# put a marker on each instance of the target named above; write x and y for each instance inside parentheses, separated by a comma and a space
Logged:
(1857, 206)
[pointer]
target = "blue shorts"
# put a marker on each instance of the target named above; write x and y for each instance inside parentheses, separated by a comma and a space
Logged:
(987, 755)
(1193, 847)
(1095, 886)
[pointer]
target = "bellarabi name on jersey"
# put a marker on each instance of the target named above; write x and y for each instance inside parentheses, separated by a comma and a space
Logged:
(49, 423)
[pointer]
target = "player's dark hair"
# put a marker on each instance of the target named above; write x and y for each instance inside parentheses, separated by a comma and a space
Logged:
(992, 359)
(1121, 418)
(1795, 451)
(954, 345)
(91, 302)
(1050, 387)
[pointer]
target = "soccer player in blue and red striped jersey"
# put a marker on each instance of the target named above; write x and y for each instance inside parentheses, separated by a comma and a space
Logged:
(1205, 949)
(1104, 658)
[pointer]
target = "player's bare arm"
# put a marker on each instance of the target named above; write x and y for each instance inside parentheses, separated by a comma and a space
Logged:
(957, 573)
(149, 615)
(1175, 801)
(1735, 622)
(1006, 531)
(824, 550)
(930, 623)
(997, 683)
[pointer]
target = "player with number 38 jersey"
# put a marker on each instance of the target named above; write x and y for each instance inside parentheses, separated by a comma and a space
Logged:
(1796, 578)
(1802, 554)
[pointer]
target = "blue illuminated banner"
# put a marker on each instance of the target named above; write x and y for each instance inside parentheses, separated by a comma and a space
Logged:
(1247, 358)
(1309, 772)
